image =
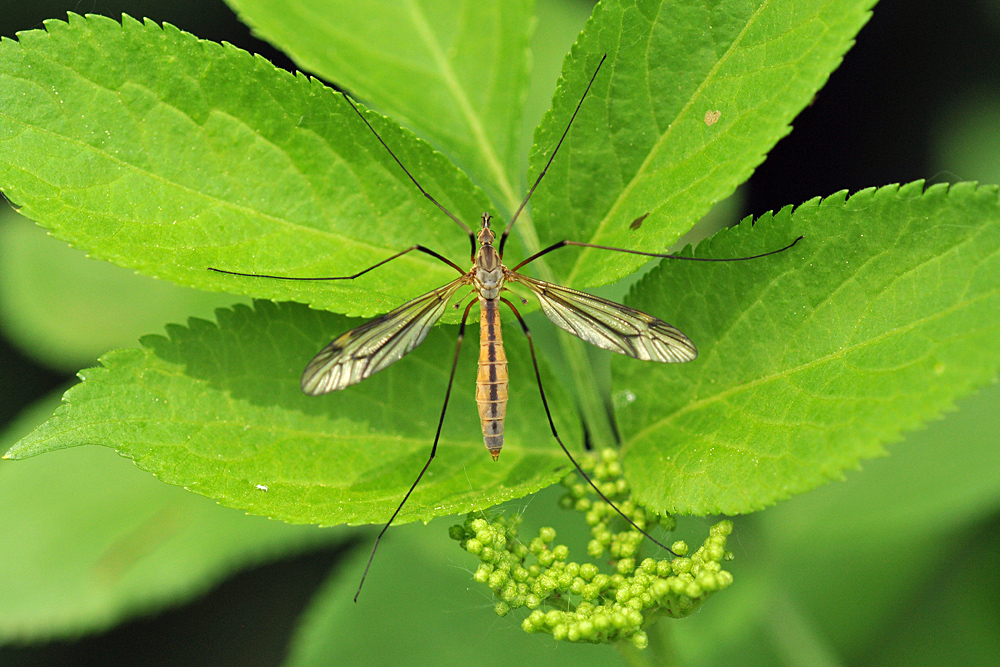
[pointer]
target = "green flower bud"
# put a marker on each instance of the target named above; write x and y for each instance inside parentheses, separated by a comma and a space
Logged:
(722, 528)
(681, 565)
(640, 640)
(497, 580)
(501, 608)
(534, 622)
(602, 623)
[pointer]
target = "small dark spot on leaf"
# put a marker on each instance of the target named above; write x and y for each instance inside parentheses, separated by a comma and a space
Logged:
(637, 223)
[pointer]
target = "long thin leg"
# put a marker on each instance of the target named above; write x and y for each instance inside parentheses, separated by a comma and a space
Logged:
(437, 436)
(563, 244)
(472, 237)
(513, 219)
(359, 273)
(552, 426)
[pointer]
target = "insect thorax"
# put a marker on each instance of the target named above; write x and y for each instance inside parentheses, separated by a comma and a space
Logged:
(487, 272)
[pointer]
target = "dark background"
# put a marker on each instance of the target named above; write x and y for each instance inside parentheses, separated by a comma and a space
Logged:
(879, 120)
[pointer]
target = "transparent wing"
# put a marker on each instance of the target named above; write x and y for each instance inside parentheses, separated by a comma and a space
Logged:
(367, 349)
(608, 324)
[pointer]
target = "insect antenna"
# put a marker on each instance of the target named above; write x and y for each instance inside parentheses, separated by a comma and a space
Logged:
(555, 433)
(472, 237)
(510, 225)
(437, 437)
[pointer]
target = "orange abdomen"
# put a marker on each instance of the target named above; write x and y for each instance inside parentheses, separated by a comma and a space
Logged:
(491, 381)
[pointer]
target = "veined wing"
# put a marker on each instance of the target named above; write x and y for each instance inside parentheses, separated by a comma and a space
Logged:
(367, 349)
(608, 324)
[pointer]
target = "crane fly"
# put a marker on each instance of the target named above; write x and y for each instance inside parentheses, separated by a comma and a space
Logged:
(371, 347)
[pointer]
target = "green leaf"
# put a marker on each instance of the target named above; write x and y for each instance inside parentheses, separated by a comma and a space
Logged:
(218, 409)
(938, 484)
(643, 144)
(430, 614)
(968, 634)
(892, 530)
(812, 359)
(456, 73)
(66, 310)
(166, 154)
(91, 541)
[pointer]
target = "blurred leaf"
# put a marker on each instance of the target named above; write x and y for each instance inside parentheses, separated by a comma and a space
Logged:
(67, 310)
(954, 621)
(811, 360)
(402, 619)
(90, 540)
(850, 557)
(641, 143)
(454, 72)
(167, 154)
(559, 23)
(891, 525)
(968, 139)
(218, 409)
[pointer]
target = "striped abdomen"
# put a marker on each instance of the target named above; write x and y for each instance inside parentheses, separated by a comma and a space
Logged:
(491, 383)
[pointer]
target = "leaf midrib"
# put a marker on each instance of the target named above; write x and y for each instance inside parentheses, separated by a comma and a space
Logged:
(464, 106)
(697, 404)
(221, 203)
(664, 138)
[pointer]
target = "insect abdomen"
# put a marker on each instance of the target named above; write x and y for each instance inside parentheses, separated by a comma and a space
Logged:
(491, 383)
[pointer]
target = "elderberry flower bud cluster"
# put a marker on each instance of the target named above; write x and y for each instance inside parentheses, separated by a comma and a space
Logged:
(578, 602)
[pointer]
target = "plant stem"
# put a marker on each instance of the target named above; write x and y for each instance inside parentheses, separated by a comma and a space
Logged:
(659, 653)
(592, 406)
